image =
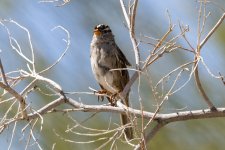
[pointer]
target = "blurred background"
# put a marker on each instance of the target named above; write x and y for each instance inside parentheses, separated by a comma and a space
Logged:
(74, 73)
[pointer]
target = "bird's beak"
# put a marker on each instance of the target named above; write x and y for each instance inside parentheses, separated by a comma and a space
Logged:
(97, 32)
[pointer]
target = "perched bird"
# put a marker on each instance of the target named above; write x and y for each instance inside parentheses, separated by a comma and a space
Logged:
(106, 56)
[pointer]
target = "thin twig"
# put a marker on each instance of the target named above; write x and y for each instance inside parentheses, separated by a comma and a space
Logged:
(151, 134)
(29, 40)
(13, 41)
(63, 54)
(18, 97)
(202, 91)
(125, 12)
(219, 22)
(197, 78)
(53, 1)
(131, 24)
(132, 35)
(3, 74)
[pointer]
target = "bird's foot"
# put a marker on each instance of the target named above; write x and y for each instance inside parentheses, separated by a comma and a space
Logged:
(112, 99)
(101, 94)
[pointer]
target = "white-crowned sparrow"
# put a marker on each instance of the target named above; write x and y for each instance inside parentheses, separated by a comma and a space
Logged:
(106, 56)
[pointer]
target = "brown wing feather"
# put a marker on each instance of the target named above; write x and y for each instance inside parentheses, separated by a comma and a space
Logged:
(122, 57)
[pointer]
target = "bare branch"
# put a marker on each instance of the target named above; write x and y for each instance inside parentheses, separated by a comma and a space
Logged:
(170, 117)
(3, 73)
(202, 91)
(148, 61)
(216, 26)
(18, 97)
(63, 54)
(197, 79)
(150, 135)
(53, 1)
(131, 24)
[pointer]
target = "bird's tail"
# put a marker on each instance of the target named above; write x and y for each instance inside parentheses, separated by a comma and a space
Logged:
(126, 120)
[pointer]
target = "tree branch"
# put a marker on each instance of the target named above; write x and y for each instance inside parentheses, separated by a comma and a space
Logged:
(131, 24)
(197, 57)
(3, 73)
(150, 135)
(170, 117)
(18, 97)
(219, 22)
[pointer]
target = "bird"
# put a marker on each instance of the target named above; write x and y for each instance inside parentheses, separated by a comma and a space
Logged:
(109, 66)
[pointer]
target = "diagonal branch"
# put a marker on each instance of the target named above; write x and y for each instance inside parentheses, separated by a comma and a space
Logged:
(219, 22)
(148, 62)
(18, 97)
(196, 73)
(151, 134)
(131, 25)
(3, 73)
(64, 52)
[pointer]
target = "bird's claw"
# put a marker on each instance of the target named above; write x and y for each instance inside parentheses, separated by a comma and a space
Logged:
(112, 99)
(101, 97)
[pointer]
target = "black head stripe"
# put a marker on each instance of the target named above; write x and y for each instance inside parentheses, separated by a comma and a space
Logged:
(103, 28)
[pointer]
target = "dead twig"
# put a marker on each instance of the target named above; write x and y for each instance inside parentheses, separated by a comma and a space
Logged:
(197, 58)
(3, 74)
(18, 97)
(131, 24)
